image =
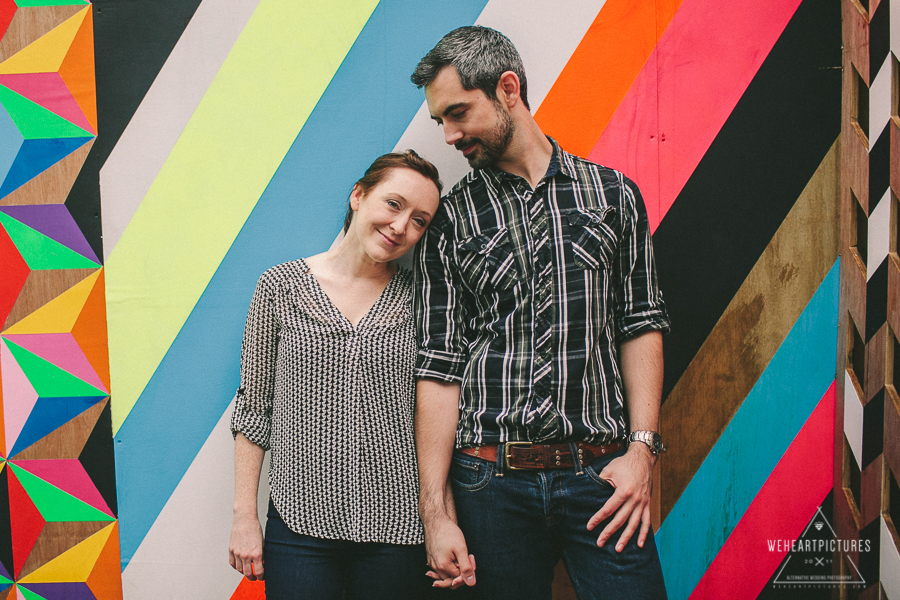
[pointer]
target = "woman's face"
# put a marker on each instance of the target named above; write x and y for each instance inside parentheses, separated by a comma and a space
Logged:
(394, 214)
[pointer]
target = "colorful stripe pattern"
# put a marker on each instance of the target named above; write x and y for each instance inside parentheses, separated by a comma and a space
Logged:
(230, 140)
(59, 535)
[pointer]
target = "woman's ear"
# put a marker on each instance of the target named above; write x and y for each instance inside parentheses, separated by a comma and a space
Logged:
(355, 196)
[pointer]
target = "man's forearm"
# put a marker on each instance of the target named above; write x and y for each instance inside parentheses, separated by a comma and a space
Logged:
(437, 414)
(641, 363)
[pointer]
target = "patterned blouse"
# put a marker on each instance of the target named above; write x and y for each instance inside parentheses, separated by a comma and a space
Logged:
(333, 402)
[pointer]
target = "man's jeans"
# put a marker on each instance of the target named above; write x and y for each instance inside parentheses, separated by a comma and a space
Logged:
(518, 524)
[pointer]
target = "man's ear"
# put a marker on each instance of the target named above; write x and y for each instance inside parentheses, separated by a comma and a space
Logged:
(508, 89)
(355, 196)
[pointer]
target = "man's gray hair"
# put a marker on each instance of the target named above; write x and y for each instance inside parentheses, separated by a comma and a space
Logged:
(480, 55)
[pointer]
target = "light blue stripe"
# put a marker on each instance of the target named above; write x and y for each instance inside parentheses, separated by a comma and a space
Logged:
(759, 434)
(362, 114)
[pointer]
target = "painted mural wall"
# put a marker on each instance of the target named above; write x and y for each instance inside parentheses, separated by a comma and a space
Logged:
(230, 133)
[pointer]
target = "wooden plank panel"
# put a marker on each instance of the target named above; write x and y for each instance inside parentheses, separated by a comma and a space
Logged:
(875, 362)
(31, 22)
(40, 288)
(53, 185)
(750, 331)
(69, 440)
(872, 481)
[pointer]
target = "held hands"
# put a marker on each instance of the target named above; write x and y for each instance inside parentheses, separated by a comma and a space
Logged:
(452, 566)
(630, 475)
(245, 547)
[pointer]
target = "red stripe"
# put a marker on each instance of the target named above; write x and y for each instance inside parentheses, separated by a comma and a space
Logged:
(699, 70)
(780, 511)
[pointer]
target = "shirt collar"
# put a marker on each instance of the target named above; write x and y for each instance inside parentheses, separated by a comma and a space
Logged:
(560, 164)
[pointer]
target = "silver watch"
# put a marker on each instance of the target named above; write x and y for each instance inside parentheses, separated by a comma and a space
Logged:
(651, 438)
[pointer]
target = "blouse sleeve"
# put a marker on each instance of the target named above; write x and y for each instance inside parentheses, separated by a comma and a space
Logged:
(253, 402)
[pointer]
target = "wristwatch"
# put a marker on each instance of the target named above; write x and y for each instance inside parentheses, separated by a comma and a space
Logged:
(651, 438)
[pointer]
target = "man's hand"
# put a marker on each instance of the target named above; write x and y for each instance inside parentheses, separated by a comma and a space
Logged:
(452, 566)
(631, 476)
(246, 545)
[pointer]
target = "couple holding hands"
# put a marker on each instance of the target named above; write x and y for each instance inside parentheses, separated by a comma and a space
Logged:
(488, 414)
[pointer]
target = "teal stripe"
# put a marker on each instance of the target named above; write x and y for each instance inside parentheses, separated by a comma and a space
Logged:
(753, 443)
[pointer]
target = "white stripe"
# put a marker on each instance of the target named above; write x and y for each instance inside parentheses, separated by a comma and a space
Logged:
(890, 563)
(546, 35)
(166, 109)
(853, 419)
(185, 553)
(879, 234)
(880, 100)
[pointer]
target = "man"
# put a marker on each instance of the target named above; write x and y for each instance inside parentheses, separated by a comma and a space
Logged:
(540, 327)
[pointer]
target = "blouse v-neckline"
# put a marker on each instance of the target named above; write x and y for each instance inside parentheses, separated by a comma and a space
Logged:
(332, 307)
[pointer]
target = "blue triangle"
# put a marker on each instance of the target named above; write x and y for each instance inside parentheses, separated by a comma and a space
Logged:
(10, 142)
(48, 415)
(35, 157)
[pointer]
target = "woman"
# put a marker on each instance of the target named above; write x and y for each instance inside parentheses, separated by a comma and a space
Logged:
(327, 386)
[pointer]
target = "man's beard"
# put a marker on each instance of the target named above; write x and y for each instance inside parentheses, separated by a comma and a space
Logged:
(493, 146)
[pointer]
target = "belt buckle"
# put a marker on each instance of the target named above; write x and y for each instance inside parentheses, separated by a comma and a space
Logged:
(507, 455)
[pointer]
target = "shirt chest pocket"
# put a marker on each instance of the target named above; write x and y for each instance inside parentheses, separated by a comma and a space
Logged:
(488, 262)
(592, 236)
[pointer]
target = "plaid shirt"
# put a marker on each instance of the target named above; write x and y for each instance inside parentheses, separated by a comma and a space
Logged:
(476, 290)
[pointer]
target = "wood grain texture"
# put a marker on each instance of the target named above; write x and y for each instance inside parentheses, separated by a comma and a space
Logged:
(68, 440)
(752, 328)
(53, 185)
(31, 22)
(893, 305)
(56, 538)
(40, 288)
(892, 430)
(855, 159)
(875, 362)
(871, 484)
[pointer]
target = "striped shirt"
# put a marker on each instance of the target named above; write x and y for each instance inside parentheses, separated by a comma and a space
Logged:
(489, 307)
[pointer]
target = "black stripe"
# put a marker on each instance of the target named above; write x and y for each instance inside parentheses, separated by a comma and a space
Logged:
(749, 179)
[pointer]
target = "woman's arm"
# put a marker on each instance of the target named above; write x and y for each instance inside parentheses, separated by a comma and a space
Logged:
(246, 545)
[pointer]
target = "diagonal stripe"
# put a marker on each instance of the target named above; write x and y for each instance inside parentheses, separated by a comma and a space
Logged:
(601, 71)
(749, 179)
(546, 40)
(781, 510)
(322, 165)
(223, 161)
(166, 109)
(685, 93)
(751, 329)
(757, 437)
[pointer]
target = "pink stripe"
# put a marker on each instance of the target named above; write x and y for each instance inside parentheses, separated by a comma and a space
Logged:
(687, 89)
(780, 511)
(69, 476)
(50, 91)
(19, 396)
(62, 350)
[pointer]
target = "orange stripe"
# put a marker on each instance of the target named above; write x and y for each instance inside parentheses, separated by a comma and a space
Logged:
(603, 67)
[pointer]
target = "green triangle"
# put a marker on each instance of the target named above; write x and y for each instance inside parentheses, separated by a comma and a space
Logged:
(50, 381)
(28, 594)
(4, 582)
(40, 252)
(36, 122)
(54, 504)
(22, 3)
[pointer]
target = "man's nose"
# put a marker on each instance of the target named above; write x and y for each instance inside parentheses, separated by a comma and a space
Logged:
(452, 134)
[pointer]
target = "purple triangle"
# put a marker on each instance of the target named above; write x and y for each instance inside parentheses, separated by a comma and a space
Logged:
(61, 591)
(54, 221)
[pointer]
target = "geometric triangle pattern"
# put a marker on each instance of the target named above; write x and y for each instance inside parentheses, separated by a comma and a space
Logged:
(59, 537)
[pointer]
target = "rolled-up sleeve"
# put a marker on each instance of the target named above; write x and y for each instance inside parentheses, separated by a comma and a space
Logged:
(253, 401)
(639, 305)
(439, 312)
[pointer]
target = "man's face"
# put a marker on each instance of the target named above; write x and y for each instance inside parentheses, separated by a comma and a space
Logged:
(478, 127)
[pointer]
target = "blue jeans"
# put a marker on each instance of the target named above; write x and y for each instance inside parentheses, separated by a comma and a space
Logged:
(518, 524)
(300, 567)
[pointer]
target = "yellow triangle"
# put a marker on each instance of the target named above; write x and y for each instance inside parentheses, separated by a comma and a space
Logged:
(58, 315)
(74, 564)
(45, 54)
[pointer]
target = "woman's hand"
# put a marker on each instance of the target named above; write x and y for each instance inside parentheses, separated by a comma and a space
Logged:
(246, 545)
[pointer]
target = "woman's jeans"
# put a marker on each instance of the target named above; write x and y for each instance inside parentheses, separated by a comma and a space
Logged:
(519, 523)
(304, 567)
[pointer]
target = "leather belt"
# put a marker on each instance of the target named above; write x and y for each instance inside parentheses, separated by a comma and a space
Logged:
(525, 455)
